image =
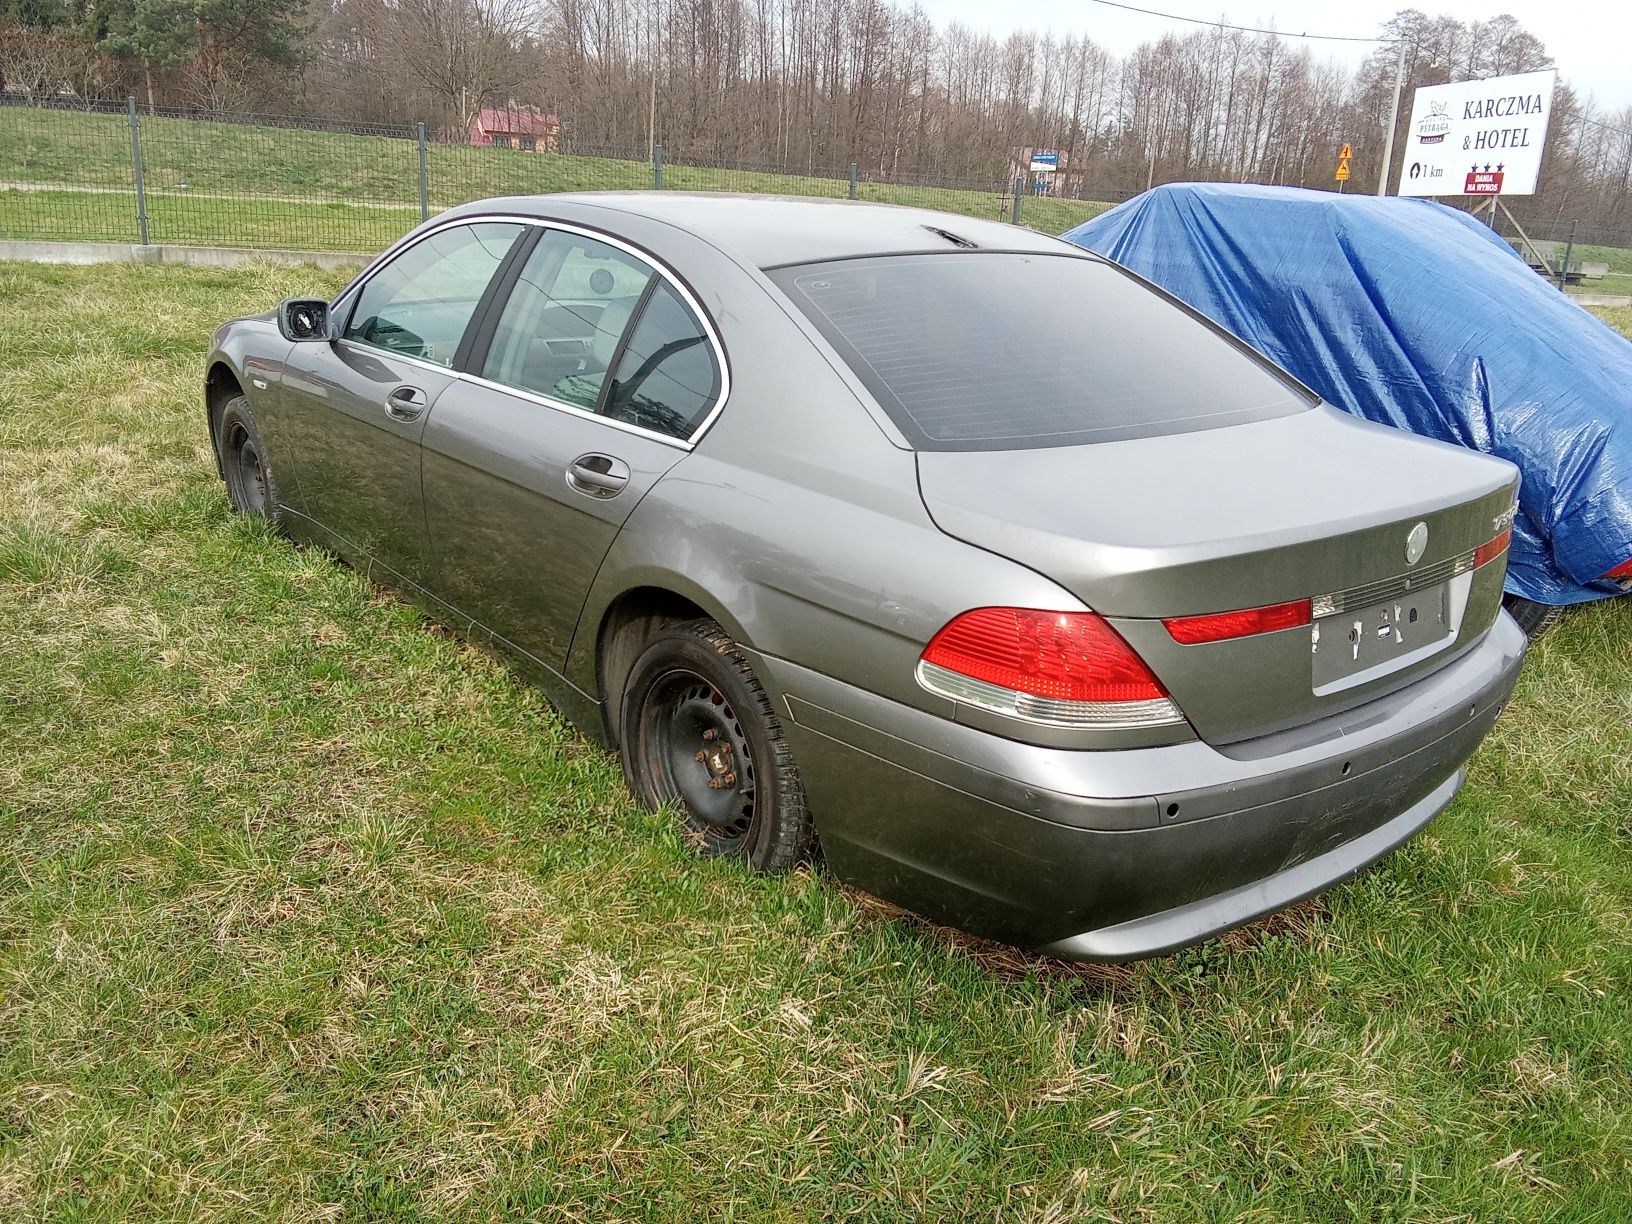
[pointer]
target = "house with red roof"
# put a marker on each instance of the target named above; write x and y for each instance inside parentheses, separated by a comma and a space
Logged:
(515, 127)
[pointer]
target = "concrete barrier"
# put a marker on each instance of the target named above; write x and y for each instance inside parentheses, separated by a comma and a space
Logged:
(1601, 299)
(28, 250)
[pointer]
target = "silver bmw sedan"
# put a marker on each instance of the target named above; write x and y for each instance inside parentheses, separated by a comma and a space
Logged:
(1043, 606)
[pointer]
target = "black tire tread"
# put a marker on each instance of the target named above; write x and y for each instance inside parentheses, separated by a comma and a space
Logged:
(790, 836)
(1534, 618)
(238, 406)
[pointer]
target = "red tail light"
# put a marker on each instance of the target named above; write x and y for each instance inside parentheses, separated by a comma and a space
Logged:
(1492, 548)
(1068, 668)
(1069, 656)
(1217, 626)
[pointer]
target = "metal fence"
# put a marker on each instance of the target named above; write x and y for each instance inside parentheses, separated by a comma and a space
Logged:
(1587, 257)
(111, 173)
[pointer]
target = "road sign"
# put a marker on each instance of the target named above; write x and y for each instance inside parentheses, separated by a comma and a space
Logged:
(1502, 121)
(1044, 163)
(1346, 154)
(1342, 175)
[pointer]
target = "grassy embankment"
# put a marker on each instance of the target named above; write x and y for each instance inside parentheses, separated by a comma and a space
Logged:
(235, 185)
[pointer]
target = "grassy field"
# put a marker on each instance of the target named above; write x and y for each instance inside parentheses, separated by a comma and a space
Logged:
(243, 185)
(1619, 277)
(310, 911)
(1618, 317)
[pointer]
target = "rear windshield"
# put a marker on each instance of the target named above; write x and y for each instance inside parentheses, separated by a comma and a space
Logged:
(989, 350)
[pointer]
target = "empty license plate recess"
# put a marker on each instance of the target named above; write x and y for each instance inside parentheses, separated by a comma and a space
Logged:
(1348, 646)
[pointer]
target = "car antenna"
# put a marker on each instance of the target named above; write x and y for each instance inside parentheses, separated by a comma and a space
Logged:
(957, 240)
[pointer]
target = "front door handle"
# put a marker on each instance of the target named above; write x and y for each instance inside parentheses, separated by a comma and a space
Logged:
(598, 475)
(405, 404)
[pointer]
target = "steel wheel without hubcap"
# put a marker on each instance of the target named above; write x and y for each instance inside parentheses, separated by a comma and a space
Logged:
(246, 471)
(250, 486)
(697, 744)
(697, 731)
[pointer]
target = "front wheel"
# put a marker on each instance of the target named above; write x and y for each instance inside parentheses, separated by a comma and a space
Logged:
(1534, 618)
(244, 466)
(698, 731)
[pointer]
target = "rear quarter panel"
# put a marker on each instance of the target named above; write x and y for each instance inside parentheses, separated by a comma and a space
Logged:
(796, 521)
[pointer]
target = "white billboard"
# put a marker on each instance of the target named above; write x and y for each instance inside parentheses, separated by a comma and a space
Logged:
(1477, 137)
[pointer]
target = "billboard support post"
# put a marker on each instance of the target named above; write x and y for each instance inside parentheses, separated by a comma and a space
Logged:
(1393, 121)
(1569, 251)
(1535, 252)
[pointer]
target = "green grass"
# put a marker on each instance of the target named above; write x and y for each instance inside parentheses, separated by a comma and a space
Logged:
(311, 911)
(1617, 280)
(1618, 317)
(237, 185)
(266, 225)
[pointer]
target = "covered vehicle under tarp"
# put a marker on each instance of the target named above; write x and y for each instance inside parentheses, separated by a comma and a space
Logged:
(1416, 315)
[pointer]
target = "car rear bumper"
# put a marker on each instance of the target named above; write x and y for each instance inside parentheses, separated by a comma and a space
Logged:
(1128, 853)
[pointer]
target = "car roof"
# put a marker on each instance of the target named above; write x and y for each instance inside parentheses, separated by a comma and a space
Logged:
(767, 231)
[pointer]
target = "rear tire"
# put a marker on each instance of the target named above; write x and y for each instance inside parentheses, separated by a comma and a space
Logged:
(244, 465)
(1534, 618)
(698, 731)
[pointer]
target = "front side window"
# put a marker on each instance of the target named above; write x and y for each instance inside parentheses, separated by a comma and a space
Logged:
(558, 334)
(667, 378)
(420, 303)
(994, 350)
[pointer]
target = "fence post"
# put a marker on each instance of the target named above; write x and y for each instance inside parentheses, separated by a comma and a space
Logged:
(852, 180)
(424, 180)
(657, 167)
(136, 165)
(1569, 249)
(1019, 186)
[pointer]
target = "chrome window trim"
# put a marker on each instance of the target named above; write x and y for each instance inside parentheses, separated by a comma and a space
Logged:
(370, 350)
(546, 401)
(659, 268)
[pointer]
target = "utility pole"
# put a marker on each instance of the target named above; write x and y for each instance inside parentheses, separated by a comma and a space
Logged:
(651, 97)
(1393, 118)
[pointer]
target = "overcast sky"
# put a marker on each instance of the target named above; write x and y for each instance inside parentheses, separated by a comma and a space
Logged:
(1590, 42)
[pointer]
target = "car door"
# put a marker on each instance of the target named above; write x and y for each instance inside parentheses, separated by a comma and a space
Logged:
(355, 408)
(594, 376)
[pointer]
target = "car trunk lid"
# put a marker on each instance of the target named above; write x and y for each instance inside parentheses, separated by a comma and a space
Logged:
(1315, 506)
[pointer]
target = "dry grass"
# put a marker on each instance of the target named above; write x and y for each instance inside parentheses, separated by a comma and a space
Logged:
(309, 911)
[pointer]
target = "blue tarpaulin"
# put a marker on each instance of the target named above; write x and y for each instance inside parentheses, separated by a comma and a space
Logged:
(1415, 315)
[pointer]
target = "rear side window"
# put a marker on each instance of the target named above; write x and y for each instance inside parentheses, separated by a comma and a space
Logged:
(558, 334)
(1007, 351)
(666, 378)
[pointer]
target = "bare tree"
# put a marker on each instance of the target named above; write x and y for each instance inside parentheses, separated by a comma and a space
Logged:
(464, 54)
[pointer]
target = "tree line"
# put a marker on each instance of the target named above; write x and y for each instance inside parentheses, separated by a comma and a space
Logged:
(815, 84)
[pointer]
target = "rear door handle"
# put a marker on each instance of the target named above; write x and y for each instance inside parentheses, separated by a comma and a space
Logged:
(598, 475)
(405, 403)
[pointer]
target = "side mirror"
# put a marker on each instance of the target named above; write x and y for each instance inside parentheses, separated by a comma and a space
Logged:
(304, 319)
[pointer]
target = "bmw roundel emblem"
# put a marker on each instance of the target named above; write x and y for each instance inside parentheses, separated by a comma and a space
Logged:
(1416, 543)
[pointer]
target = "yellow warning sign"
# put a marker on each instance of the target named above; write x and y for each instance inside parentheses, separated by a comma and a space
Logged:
(1346, 154)
(1343, 171)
